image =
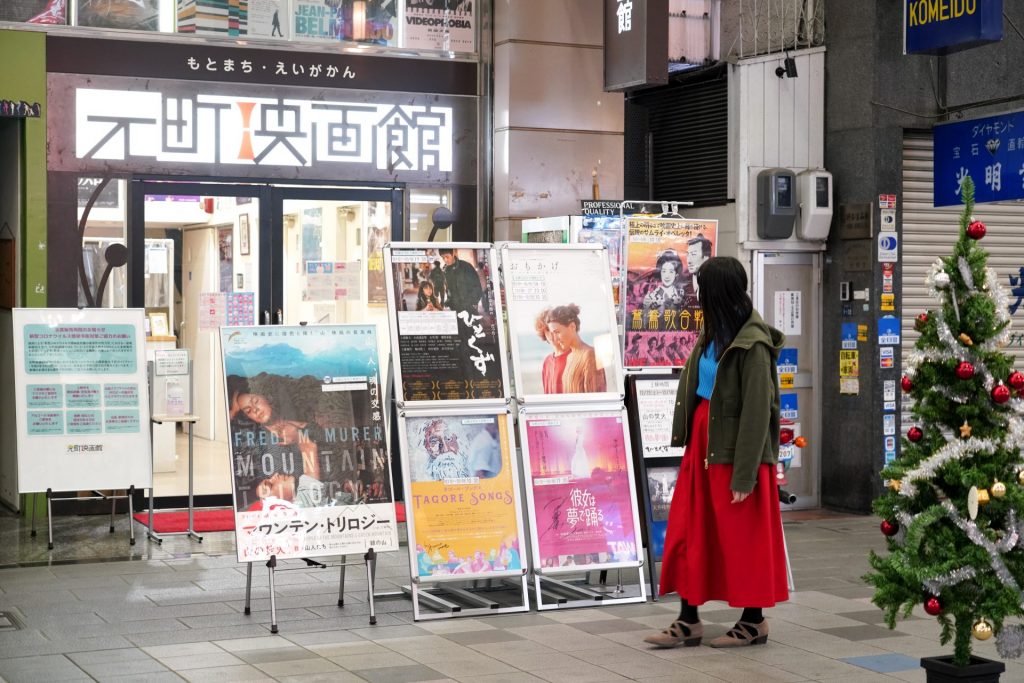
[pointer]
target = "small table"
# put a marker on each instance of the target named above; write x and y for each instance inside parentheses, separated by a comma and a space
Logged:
(190, 532)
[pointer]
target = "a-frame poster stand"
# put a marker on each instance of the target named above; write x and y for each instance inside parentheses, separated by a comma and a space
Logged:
(311, 473)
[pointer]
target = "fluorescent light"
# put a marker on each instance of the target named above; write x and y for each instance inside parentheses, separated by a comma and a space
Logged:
(425, 199)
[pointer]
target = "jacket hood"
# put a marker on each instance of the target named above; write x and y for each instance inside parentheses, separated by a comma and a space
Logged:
(757, 331)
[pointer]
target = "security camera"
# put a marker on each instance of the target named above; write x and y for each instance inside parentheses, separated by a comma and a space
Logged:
(788, 68)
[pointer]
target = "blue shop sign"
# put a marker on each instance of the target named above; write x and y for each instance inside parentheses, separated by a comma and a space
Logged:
(937, 26)
(990, 150)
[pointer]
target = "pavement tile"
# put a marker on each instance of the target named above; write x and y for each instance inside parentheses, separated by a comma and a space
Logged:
(40, 668)
(863, 632)
(225, 674)
(479, 637)
(201, 661)
(479, 665)
(401, 674)
(315, 665)
(580, 673)
(196, 635)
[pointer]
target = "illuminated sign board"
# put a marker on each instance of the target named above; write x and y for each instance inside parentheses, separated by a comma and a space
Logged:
(935, 26)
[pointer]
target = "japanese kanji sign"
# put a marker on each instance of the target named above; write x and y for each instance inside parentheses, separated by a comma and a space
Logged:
(990, 150)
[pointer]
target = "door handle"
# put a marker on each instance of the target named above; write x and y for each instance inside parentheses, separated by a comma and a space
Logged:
(280, 318)
(266, 317)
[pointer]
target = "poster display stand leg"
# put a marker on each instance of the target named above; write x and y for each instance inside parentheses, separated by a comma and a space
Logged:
(49, 518)
(341, 581)
(98, 496)
(248, 588)
(435, 596)
(190, 420)
(556, 593)
(371, 571)
(271, 566)
(32, 502)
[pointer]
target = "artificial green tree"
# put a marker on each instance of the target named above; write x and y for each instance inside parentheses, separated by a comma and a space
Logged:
(953, 509)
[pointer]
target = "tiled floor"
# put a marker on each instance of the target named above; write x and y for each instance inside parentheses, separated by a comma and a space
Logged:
(174, 613)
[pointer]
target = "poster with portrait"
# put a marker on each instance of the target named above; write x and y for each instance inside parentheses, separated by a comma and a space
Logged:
(310, 470)
(561, 321)
(440, 25)
(662, 316)
(81, 399)
(462, 484)
(371, 22)
(445, 322)
(581, 495)
(34, 11)
(138, 15)
(378, 233)
(661, 486)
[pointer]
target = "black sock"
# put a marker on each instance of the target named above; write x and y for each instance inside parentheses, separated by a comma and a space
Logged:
(687, 612)
(752, 615)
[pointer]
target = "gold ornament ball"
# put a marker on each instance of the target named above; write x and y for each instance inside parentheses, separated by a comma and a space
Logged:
(1020, 477)
(998, 489)
(982, 630)
(982, 497)
(895, 485)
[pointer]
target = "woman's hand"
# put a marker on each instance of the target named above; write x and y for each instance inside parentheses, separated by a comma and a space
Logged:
(738, 497)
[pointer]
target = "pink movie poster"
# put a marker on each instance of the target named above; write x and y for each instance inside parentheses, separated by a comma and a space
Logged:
(663, 316)
(582, 498)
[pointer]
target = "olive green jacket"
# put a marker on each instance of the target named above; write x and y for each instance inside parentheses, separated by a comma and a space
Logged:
(743, 420)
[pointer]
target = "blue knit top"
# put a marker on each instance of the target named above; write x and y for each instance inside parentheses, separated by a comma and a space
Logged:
(707, 367)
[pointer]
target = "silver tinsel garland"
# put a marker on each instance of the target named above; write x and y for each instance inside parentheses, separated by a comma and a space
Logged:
(965, 272)
(935, 585)
(953, 450)
(1010, 641)
(978, 538)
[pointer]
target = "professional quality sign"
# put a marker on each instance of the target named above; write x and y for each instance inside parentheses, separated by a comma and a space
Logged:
(935, 26)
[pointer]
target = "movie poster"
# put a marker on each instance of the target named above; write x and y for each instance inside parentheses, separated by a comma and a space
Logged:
(139, 15)
(464, 517)
(563, 328)
(370, 22)
(447, 321)
(655, 409)
(661, 486)
(34, 11)
(581, 488)
(309, 463)
(663, 317)
(378, 233)
(440, 25)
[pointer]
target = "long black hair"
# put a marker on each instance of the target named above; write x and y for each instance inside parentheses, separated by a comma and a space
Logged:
(722, 293)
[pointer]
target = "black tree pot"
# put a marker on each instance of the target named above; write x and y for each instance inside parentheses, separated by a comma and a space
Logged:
(980, 670)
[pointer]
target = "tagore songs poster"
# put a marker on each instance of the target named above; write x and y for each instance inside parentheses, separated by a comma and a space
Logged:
(462, 503)
(310, 469)
(443, 303)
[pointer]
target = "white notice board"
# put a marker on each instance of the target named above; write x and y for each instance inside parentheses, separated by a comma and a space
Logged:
(81, 399)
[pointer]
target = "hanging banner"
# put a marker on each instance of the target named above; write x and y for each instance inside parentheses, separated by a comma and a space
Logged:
(310, 469)
(462, 496)
(439, 25)
(582, 499)
(663, 316)
(378, 233)
(81, 399)
(445, 319)
(655, 408)
(561, 322)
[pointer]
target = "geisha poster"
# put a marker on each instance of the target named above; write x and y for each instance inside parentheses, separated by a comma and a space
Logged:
(464, 517)
(663, 317)
(445, 317)
(561, 320)
(310, 469)
(581, 489)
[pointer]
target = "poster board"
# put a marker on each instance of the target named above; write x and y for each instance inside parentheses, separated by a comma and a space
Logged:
(462, 495)
(445, 321)
(581, 495)
(311, 476)
(81, 399)
(654, 399)
(440, 25)
(575, 359)
(662, 314)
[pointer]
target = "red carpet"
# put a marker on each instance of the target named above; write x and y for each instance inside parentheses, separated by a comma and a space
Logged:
(209, 520)
(203, 521)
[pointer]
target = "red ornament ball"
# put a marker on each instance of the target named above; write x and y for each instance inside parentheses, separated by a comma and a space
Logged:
(921, 321)
(889, 528)
(976, 230)
(907, 384)
(1000, 393)
(785, 435)
(965, 370)
(933, 606)
(915, 434)
(1016, 380)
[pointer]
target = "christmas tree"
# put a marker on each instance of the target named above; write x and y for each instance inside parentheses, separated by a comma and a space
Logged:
(953, 509)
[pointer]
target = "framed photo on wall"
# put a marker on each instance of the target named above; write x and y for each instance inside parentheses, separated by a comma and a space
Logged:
(158, 324)
(243, 234)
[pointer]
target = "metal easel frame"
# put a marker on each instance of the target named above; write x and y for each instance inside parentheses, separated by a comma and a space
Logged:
(99, 496)
(189, 419)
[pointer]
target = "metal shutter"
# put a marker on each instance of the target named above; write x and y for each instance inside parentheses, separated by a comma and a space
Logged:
(930, 232)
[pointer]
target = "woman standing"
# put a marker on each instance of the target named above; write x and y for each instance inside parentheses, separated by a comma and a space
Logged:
(581, 375)
(724, 539)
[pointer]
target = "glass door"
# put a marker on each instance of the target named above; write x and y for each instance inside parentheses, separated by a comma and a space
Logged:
(201, 266)
(332, 267)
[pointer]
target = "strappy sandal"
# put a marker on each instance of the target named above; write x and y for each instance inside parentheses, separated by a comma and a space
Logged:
(743, 633)
(678, 632)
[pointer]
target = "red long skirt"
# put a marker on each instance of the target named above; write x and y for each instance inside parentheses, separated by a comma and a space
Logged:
(716, 549)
